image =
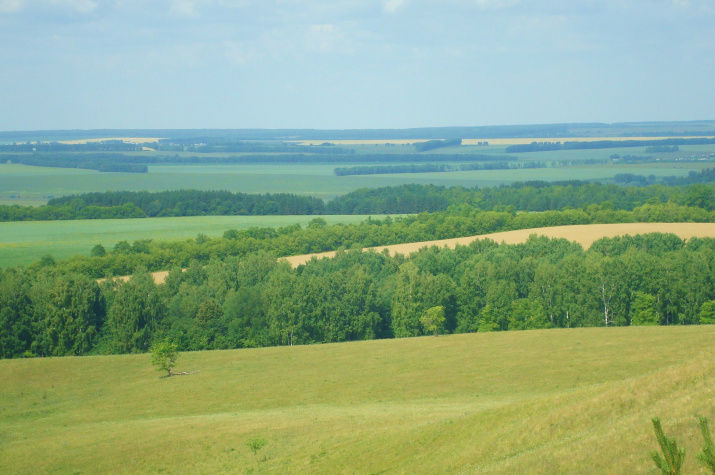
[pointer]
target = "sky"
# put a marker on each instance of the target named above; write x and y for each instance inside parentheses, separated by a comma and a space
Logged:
(344, 64)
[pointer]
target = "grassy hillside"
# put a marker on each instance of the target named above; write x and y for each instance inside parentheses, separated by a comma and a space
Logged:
(577, 400)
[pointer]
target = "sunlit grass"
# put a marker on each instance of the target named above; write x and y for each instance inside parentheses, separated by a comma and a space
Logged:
(553, 401)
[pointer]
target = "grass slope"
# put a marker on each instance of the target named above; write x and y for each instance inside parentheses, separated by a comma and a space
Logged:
(553, 401)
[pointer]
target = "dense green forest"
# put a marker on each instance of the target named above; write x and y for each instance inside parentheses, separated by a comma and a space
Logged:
(522, 196)
(435, 144)
(406, 199)
(256, 301)
(235, 294)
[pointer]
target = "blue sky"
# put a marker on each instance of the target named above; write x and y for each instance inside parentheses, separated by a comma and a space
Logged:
(80, 64)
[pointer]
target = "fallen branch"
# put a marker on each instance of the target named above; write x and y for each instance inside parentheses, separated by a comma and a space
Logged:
(183, 373)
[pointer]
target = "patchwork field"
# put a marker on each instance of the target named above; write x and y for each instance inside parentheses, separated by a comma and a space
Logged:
(547, 401)
(21, 184)
(23, 242)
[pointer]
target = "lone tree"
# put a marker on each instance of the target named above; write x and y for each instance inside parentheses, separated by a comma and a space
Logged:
(164, 355)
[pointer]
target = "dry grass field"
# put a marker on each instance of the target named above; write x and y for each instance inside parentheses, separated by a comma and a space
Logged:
(545, 401)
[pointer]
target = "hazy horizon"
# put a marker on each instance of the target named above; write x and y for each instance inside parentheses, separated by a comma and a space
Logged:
(315, 64)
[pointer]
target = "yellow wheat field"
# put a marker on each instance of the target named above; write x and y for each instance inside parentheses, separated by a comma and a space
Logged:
(584, 234)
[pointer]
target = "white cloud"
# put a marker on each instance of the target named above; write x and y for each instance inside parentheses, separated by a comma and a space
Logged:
(495, 4)
(80, 6)
(77, 6)
(183, 8)
(391, 6)
(322, 37)
(10, 6)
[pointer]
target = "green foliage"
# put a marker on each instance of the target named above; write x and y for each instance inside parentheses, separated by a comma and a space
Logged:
(135, 314)
(256, 443)
(707, 455)
(98, 251)
(672, 460)
(234, 294)
(164, 355)
(527, 314)
(433, 320)
(707, 313)
(643, 310)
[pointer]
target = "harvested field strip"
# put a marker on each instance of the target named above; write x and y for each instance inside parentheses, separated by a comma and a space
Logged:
(583, 234)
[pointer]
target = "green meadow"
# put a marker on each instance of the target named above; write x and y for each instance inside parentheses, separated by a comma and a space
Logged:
(22, 242)
(547, 401)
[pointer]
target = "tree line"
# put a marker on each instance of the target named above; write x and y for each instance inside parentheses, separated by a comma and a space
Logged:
(255, 300)
(597, 144)
(522, 196)
(433, 168)
(405, 199)
(143, 204)
(102, 162)
(435, 144)
(706, 175)
(101, 146)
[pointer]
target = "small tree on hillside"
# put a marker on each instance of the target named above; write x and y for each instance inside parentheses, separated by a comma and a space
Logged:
(707, 455)
(673, 457)
(164, 355)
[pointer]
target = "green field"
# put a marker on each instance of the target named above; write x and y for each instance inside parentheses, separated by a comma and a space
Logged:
(22, 242)
(551, 401)
(20, 184)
